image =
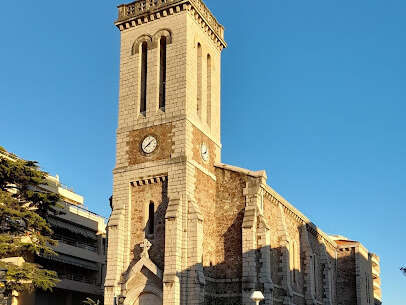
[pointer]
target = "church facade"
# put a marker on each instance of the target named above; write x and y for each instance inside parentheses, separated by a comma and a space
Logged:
(186, 228)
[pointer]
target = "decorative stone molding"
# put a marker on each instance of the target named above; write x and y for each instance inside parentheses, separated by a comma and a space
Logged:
(162, 33)
(258, 174)
(152, 41)
(139, 41)
(290, 210)
(150, 180)
(144, 262)
(144, 11)
(145, 246)
(135, 293)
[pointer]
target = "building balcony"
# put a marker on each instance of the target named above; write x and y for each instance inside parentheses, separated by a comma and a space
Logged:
(75, 242)
(375, 273)
(374, 260)
(80, 252)
(78, 284)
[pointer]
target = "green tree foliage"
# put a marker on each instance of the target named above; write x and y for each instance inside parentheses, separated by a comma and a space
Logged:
(89, 301)
(24, 230)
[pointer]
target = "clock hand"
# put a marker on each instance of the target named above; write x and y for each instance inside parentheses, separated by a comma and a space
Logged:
(149, 144)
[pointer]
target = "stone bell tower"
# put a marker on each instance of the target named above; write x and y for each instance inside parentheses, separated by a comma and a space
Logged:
(168, 140)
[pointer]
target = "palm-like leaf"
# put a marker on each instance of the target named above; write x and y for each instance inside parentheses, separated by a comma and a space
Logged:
(89, 301)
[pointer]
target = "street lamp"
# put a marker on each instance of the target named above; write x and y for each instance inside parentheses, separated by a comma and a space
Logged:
(257, 297)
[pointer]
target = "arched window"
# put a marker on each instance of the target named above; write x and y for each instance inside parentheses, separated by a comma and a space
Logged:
(199, 80)
(162, 73)
(144, 69)
(209, 90)
(151, 219)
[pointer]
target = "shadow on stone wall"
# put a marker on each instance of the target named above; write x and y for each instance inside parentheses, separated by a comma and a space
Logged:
(313, 276)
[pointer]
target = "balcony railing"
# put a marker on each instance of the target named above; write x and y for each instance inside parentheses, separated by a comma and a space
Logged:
(76, 278)
(74, 242)
(82, 208)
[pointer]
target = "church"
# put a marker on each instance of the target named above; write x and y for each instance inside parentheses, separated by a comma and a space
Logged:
(187, 229)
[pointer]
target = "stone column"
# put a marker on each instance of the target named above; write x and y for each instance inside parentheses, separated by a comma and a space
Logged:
(173, 252)
(307, 262)
(249, 238)
(326, 276)
(196, 279)
(115, 258)
(285, 258)
(249, 248)
(264, 244)
(118, 235)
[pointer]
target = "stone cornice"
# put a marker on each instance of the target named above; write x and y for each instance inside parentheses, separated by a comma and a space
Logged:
(144, 11)
(290, 209)
(258, 174)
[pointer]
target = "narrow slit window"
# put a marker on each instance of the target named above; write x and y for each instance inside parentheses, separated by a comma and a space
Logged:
(199, 80)
(209, 90)
(151, 219)
(162, 74)
(144, 68)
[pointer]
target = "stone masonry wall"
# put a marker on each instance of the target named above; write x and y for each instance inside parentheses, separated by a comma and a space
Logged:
(222, 234)
(198, 139)
(195, 35)
(346, 282)
(130, 118)
(230, 204)
(205, 195)
(164, 136)
(142, 195)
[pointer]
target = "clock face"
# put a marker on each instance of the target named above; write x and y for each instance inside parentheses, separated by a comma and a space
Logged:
(149, 144)
(205, 152)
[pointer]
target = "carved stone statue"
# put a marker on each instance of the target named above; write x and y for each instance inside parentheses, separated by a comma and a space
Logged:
(146, 245)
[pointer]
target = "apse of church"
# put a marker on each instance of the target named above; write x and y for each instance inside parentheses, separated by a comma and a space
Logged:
(186, 228)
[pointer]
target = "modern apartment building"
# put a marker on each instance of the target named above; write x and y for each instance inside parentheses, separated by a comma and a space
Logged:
(81, 249)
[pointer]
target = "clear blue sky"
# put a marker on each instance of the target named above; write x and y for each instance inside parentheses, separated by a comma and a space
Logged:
(313, 91)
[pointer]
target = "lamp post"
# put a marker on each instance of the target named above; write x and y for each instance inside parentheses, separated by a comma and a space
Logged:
(257, 297)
